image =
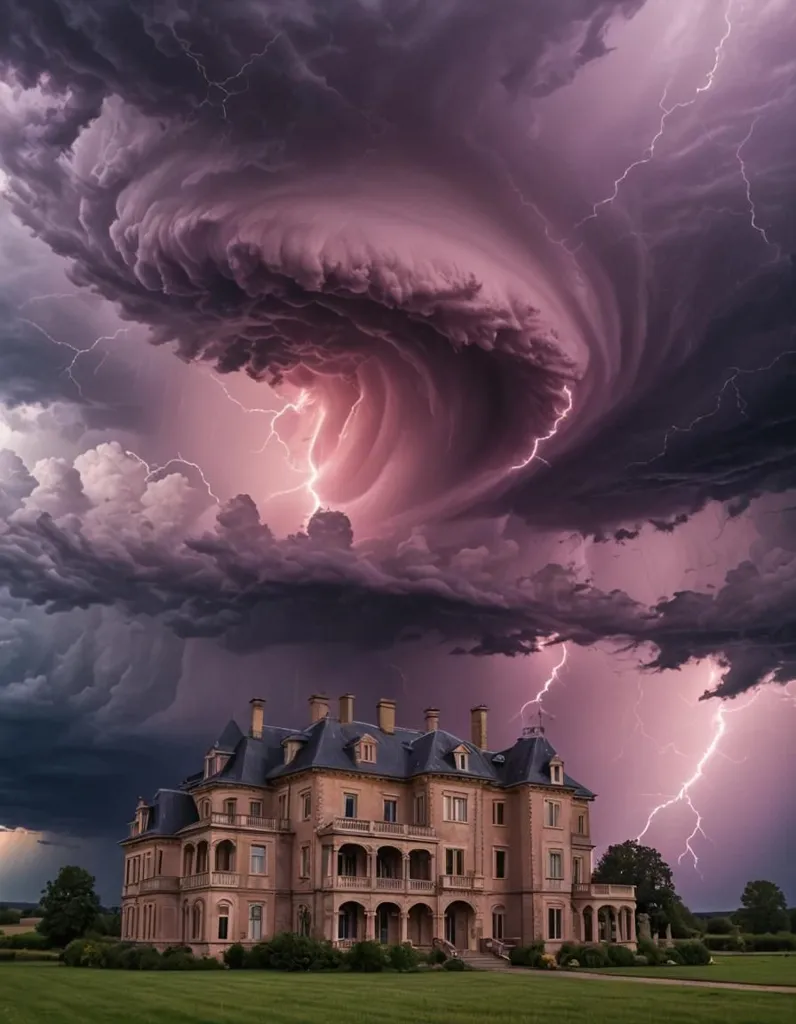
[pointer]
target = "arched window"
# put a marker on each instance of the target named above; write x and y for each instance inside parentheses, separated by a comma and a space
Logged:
(304, 920)
(202, 861)
(225, 856)
(187, 860)
(255, 922)
(223, 922)
(196, 921)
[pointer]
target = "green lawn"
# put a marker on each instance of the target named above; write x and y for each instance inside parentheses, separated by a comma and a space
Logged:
(36, 994)
(759, 969)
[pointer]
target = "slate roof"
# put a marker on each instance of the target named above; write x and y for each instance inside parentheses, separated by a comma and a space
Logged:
(328, 743)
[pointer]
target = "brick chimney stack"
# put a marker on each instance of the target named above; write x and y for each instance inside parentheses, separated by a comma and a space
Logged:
(386, 712)
(319, 707)
(432, 719)
(258, 717)
(478, 726)
(346, 709)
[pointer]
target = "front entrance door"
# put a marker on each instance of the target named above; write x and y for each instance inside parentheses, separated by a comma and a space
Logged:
(450, 927)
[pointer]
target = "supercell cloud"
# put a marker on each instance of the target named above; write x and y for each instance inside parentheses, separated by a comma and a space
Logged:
(396, 210)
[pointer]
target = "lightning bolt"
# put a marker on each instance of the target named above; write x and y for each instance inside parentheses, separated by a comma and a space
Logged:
(683, 795)
(78, 352)
(314, 471)
(730, 383)
(546, 437)
(641, 729)
(222, 84)
(153, 470)
(748, 186)
(275, 415)
(666, 112)
(546, 685)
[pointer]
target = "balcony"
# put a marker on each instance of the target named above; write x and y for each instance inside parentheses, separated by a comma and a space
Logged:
(347, 882)
(250, 821)
(588, 890)
(581, 839)
(213, 879)
(554, 884)
(467, 882)
(159, 883)
(420, 885)
(361, 826)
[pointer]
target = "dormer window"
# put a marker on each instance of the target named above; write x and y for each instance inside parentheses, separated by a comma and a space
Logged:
(557, 771)
(292, 747)
(461, 758)
(365, 750)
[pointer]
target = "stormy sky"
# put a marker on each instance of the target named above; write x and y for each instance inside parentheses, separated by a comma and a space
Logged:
(406, 347)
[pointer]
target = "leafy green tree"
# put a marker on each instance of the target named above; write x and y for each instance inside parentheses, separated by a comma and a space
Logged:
(630, 863)
(70, 906)
(762, 908)
(719, 926)
(792, 916)
(9, 916)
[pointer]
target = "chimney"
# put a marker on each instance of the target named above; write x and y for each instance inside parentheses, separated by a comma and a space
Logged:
(386, 710)
(346, 709)
(257, 718)
(432, 719)
(319, 707)
(478, 726)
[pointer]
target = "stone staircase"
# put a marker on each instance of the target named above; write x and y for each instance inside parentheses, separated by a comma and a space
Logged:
(483, 961)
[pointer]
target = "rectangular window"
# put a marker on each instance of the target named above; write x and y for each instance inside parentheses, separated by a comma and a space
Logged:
(420, 809)
(305, 862)
(577, 870)
(581, 824)
(498, 812)
(552, 814)
(500, 863)
(257, 860)
(230, 807)
(306, 805)
(368, 752)
(461, 760)
(455, 808)
(391, 810)
(283, 805)
(555, 864)
(223, 927)
(127, 871)
(148, 865)
(454, 862)
(498, 923)
(554, 920)
(349, 805)
(255, 808)
(255, 923)
(160, 862)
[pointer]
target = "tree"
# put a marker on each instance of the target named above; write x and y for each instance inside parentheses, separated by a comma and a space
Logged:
(719, 926)
(69, 905)
(9, 916)
(630, 863)
(763, 908)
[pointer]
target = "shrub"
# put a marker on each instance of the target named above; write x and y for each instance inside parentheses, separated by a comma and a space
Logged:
(572, 964)
(367, 957)
(403, 958)
(725, 943)
(291, 952)
(692, 951)
(548, 962)
(25, 940)
(640, 960)
(674, 956)
(257, 958)
(454, 964)
(567, 951)
(526, 956)
(770, 943)
(593, 956)
(235, 957)
(177, 962)
(436, 956)
(619, 956)
(8, 916)
(654, 954)
(719, 926)
(7, 954)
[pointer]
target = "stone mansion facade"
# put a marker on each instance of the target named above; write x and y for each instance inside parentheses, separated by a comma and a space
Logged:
(347, 830)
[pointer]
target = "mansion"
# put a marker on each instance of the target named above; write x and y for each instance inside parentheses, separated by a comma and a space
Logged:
(350, 830)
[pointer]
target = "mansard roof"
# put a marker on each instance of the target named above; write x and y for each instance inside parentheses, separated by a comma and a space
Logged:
(402, 754)
(170, 811)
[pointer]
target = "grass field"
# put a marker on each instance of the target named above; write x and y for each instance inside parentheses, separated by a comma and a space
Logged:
(44, 994)
(27, 924)
(760, 969)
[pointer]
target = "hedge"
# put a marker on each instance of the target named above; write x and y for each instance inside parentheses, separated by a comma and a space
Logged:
(25, 940)
(128, 956)
(782, 941)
